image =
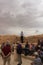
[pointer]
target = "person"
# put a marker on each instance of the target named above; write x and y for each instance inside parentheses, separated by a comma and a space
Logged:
(6, 53)
(41, 55)
(37, 60)
(12, 46)
(2, 45)
(19, 52)
(26, 49)
(22, 37)
(41, 45)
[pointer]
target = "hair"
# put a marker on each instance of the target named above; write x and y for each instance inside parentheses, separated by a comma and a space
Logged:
(36, 55)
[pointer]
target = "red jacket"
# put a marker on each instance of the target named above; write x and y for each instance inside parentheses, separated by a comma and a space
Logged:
(6, 49)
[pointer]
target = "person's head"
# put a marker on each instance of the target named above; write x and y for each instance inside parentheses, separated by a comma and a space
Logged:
(27, 42)
(7, 42)
(3, 43)
(39, 51)
(17, 43)
(36, 55)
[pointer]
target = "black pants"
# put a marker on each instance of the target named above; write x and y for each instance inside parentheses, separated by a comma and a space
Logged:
(18, 64)
(22, 40)
(27, 52)
(42, 59)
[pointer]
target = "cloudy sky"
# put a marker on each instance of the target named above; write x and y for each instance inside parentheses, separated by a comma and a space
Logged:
(21, 15)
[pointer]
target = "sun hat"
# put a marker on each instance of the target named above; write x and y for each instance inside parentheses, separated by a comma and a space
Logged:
(35, 53)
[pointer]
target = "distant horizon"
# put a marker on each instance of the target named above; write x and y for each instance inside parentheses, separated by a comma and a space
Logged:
(19, 35)
(26, 32)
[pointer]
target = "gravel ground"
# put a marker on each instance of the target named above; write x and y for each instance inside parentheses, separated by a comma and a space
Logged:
(14, 62)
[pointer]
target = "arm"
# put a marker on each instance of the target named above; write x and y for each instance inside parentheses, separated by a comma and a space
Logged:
(32, 63)
(8, 54)
(3, 54)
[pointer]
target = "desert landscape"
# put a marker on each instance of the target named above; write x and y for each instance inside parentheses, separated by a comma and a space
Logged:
(15, 38)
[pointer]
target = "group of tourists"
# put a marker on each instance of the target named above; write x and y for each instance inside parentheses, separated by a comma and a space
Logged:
(6, 50)
(29, 49)
(34, 50)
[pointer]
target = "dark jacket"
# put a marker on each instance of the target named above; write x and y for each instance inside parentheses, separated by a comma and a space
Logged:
(19, 49)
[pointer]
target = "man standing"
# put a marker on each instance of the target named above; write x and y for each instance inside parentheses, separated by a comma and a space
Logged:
(22, 37)
(19, 52)
(6, 53)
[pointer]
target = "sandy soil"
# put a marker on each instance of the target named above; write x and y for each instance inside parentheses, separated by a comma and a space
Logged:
(14, 62)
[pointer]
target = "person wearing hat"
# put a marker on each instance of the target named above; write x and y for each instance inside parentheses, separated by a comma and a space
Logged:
(37, 60)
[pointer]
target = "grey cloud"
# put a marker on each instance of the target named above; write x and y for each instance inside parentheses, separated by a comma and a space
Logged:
(21, 14)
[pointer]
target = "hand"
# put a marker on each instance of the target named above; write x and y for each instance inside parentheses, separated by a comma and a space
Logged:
(31, 63)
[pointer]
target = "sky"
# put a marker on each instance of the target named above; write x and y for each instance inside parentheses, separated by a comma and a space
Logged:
(21, 15)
